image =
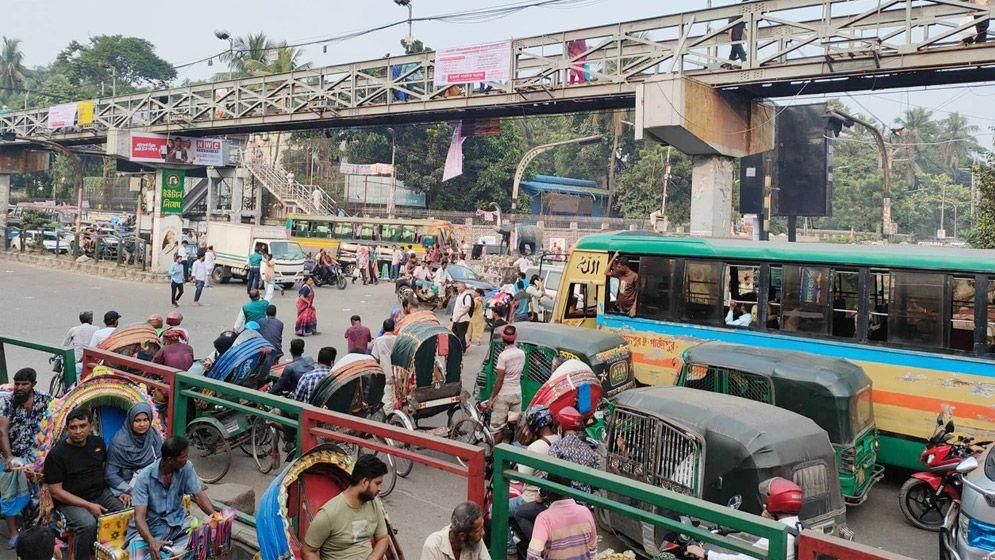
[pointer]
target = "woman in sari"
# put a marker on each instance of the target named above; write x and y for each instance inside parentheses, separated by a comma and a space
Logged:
(307, 317)
(135, 446)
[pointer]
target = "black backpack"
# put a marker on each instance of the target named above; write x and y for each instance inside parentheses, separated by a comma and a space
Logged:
(473, 305)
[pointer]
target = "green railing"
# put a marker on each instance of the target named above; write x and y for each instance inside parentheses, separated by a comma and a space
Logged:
(647, 498)
(68, 357)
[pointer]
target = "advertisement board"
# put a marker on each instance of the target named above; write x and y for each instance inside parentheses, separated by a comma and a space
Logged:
(172, 191)
(158, 148)
(490, 62)
(62, 115)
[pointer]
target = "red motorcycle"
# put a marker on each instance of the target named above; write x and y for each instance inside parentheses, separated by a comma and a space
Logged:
(926, 496)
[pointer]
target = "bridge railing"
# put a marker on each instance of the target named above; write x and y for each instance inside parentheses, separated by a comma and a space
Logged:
(68, 356)
(785, 40)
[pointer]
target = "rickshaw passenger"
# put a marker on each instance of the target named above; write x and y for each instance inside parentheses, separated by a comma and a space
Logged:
(176, 353)
(20, 419)
(309, 382)
(782, 502)
(135, 446)
(160, 517)
(74, 471)
(37, 543)
(301, 365)
(506, 395)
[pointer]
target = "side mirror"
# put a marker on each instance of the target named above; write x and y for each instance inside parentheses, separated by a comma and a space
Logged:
(950, 427)
(967, 465)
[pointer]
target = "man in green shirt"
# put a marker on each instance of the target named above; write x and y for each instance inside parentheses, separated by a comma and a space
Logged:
(255, 310)
(254, 261)
(351, 526)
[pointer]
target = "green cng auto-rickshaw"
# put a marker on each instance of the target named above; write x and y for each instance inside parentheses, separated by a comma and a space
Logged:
(835, 393)
(718, 448)
(547, 345)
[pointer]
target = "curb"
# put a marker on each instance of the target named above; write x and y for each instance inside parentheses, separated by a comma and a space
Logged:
(91, 268)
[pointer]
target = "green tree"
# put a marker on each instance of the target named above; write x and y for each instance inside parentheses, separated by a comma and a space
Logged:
(247, 52)
(639, 188)
(982, 234)
(279, 59)
(957, 137)
(12, 72)
(128, 62)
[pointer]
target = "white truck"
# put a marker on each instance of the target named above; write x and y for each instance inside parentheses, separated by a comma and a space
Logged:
(233, 243)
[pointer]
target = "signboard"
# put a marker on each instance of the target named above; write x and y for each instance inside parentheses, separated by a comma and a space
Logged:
(158, 148)
(62, 115)
(382, 169)
(172, 191)
(84, 113)
(479, 63)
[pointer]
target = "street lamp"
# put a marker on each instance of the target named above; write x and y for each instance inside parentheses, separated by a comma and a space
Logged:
(225, 36)
(839, 119)
(531, 155)
(9, 136)
(393, 170)
(407, 4)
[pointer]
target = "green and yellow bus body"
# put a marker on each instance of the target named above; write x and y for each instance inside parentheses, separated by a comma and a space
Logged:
(920, 321)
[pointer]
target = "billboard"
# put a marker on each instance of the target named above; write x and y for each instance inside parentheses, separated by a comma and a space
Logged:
(159, 148)
(478, 63)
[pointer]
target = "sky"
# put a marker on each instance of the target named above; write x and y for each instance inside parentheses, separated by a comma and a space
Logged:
(183, 31)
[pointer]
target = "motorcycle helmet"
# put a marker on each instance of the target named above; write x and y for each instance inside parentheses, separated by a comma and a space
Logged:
(781, 496)
(570, 419)
(174, 318)
(537, 418)
(155, 320)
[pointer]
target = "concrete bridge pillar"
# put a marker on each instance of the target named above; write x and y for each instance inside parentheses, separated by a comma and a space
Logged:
(714, 127)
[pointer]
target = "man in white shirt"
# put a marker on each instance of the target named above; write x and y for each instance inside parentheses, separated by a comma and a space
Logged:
(81, 335)
(110, 325)
(522, 264)
(316, 198)
(506, 395)
(441, 278)
(462, 539)
(738, 316)
(184, 253)
(209, 258)
(199, 277)
(381, 350)
(462, 311)
(395, 263)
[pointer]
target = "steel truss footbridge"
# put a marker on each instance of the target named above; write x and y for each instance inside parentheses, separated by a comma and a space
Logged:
(792, 46)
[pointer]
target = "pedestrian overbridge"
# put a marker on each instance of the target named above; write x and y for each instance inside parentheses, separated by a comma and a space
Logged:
(791, 47)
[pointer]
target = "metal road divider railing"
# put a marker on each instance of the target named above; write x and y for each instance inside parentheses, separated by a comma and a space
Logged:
(646, 496)
(818, 546)
(158, 377)
(68, 357)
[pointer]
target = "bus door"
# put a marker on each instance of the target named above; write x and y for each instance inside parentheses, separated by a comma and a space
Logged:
(581, 293)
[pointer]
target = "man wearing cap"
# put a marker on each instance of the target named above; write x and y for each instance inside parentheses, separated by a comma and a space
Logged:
(506, 396)
(176, 353)
(110, 325)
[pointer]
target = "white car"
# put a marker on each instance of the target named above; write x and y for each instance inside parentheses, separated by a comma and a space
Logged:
(51, 242)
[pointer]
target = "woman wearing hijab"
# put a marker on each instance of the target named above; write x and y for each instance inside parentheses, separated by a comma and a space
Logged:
(307, 316)
(135, 446)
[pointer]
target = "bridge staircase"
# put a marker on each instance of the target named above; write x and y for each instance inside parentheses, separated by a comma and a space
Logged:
(295, 196)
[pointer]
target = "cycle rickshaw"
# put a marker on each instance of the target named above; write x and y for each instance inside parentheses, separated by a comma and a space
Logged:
(428, 363)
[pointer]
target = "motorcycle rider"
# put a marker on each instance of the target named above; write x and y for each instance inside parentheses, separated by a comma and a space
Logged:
(782, 502)
(323, 264)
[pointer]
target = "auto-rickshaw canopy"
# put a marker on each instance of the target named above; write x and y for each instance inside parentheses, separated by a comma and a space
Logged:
(834, 393)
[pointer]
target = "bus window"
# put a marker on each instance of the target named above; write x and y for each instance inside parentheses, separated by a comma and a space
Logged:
(301, 228)
(915, 314)
(805, 305)
(845, 294)
(342, 230)
(579, 305)
(742, 294)
(961, 315)
(391, 232)
(322, 230)
(703, 292)
(879, 297)
(774, 298)
(407, 234)
(655, 286)
(366, 232)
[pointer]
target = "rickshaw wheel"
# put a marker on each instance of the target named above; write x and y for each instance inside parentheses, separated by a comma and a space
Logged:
(264, 438)
(403, 466)
(472, 432)
(209, 451)
(389, 479)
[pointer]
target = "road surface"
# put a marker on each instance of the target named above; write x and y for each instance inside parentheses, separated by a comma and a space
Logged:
(41, 305)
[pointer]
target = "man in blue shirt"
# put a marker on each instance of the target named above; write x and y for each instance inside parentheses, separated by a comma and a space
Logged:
(160, 518)
(177, 276)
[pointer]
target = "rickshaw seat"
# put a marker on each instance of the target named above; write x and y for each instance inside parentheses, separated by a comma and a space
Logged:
(113, 527)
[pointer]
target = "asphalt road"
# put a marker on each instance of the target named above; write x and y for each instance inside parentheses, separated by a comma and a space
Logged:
(41, 305)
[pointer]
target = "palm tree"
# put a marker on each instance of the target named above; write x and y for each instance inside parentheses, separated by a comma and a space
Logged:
(958, 140)
(278, 59)
(12, 75)
(246, 52)
(916, 127)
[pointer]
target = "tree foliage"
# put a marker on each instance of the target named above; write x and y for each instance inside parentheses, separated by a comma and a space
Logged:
(983, 233)
(130, 62)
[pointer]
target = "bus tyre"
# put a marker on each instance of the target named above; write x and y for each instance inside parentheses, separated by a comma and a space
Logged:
(921, 505)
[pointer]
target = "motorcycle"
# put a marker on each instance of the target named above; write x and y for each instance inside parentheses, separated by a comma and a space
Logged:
(332, 276)
(424, 295)
(926, 496)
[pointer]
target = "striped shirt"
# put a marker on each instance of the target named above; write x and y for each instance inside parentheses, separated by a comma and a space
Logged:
(565, 531)
(309, 382)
